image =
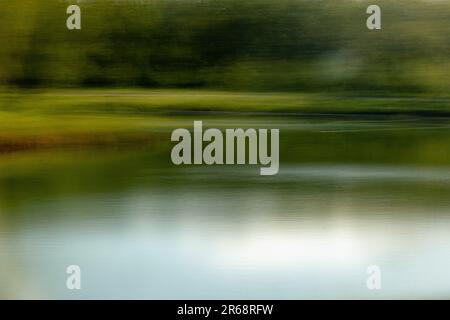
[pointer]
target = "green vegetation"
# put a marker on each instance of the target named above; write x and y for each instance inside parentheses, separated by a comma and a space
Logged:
(285, 57)
(258, 45)
(59, 117)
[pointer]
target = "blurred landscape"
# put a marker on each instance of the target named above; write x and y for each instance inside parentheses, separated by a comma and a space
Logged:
(262, 45)
(288, 56)
(85, 172)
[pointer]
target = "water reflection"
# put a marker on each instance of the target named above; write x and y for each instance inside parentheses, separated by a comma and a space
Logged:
(221, 232)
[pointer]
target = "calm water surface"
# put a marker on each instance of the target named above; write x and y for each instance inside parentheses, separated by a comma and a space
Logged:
(349, 194)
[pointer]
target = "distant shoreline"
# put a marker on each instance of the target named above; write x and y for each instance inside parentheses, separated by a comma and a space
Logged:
(46, 118)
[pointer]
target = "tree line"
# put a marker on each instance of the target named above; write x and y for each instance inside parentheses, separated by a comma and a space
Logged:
(283, 45)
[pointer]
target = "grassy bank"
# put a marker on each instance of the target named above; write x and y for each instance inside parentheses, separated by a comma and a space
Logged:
(39, 118)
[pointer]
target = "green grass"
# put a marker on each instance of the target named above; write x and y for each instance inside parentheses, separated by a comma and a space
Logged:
(35, 118)
(125, 101)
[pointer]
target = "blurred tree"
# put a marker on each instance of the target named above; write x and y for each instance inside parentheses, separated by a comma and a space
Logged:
(233, 44)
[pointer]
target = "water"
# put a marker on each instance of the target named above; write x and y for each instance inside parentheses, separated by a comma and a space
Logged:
(349, 194)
